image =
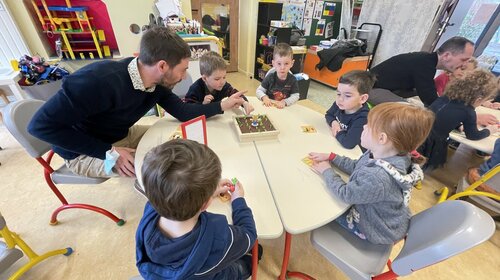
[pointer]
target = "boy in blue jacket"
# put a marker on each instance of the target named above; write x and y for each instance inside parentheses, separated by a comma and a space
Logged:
(177, 238)
(348, 113)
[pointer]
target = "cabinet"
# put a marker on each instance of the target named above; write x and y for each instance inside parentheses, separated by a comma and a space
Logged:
(328, 77)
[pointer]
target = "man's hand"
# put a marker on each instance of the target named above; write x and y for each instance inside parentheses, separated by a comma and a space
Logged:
(267, 101)
(492, 128)
(335, 128)
(492, 105)
(486, 119)
(125, 163)
(248, 107)
(208, 98)
(233, 101)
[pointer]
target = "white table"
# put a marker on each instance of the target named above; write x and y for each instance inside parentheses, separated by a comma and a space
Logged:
(238, 160)
(9, 78)
(484, 145)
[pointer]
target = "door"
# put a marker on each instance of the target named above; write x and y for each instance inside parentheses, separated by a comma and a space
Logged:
(220, 18)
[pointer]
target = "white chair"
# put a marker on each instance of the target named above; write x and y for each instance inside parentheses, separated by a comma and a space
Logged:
(434, 235)
(16, 117)
(192, 75)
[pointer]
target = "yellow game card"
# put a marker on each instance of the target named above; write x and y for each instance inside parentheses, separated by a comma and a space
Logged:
(308, 129)
(309, 162)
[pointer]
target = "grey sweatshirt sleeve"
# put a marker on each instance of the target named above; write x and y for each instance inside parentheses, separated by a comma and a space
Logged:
(366, 187)
(344, 163)
(292, 99)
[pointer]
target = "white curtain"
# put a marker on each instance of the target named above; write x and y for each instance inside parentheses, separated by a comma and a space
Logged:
(405, 24)
(12, 45)
(346, 18)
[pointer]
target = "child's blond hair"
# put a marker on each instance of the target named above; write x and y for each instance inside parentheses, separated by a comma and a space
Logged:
(283, 50)
(211, 62)
(475, 85)
(406, 125)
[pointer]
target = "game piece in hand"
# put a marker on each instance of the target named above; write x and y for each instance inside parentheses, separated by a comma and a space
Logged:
(234, 181)
(308, 129)
(225, 197)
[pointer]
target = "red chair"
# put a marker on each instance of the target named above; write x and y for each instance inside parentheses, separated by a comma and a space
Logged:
(17, 115)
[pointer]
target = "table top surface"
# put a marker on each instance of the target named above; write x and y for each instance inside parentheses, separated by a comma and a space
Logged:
(272, 172)
(484, 145)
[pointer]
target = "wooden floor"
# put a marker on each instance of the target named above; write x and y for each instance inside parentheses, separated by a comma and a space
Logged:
(106, 251)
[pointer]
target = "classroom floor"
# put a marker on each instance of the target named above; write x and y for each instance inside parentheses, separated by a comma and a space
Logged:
(106, 251)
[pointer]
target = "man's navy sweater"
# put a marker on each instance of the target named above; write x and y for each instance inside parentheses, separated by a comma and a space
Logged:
(405, 72)
(96, 107)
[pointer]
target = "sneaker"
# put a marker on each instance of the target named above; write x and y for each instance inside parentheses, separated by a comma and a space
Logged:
(473, 176)
(138, 188)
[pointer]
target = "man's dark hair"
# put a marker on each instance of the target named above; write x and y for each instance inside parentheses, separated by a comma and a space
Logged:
(179, 176)
(455, 45)
(362, 80)
(160, 43)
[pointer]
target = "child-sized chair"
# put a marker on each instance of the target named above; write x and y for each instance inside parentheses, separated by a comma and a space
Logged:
(434, 235)
(9, 254)
(17, 115)
(487, 200)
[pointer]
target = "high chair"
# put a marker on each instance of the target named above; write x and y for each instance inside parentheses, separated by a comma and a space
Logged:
(17, 115)
(488, 200)
(434, 235)
(9, 254)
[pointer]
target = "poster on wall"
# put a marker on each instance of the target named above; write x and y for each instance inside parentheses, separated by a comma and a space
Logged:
(329, 29)
(306, 26)
(320, 27)
(308, 13)
(329, 9)
(318, 9)
(293, 11)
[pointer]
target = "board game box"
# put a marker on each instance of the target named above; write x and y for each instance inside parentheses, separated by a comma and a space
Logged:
(255, 127)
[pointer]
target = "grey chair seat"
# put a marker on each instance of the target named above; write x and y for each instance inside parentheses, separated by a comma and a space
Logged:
(357, 258)
(8, 256)
(65, 176)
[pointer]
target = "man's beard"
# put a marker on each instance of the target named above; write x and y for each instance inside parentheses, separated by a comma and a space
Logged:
(166, 81)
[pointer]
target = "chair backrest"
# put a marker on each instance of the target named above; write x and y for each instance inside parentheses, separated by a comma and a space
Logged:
(192, 75)
(16, 117)
(440, 232)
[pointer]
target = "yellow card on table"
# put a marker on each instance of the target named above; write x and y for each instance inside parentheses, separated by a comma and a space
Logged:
(308, 129)
(307, 161)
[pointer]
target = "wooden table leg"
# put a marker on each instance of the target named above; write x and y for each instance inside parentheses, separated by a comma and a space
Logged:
(4, 96)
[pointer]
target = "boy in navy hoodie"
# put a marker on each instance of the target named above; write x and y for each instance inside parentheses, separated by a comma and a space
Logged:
(348, 114)
(177, 238)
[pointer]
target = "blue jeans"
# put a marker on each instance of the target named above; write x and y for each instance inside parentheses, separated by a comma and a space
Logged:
(493, 161)
(346, 221)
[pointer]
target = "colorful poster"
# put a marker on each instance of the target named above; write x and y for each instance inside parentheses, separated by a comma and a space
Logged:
(308, 13)
(329, 30)
(320, 27)
(306, 26)
(318, 9)
(293, 11)
(329, 9)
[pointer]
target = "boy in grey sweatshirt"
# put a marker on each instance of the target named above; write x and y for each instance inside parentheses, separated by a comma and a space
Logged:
(381, 179)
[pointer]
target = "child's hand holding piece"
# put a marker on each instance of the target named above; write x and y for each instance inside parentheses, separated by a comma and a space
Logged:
(208, 98)
(238, 191)
(280, 104)
(335, 128)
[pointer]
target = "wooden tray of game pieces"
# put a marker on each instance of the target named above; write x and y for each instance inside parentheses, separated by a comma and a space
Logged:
(262, 129)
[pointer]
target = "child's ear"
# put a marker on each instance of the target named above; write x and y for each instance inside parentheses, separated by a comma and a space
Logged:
(382, 138)
(364, 97)
(204, 78)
